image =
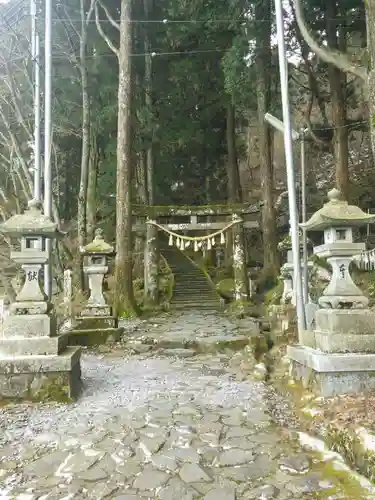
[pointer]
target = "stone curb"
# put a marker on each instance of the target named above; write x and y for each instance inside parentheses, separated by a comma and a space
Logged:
(355, 443)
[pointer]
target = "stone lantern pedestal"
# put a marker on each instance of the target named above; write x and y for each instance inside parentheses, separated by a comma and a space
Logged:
(340, 355)
(35, 362)
(96, 325)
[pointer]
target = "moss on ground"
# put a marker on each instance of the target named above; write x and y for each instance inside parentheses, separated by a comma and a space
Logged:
(225, 288)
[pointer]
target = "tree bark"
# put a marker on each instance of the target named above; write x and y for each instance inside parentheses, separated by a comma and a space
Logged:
(152, 248)
(241, 288)
(234, 187)
(140, 240)
(337, 81)
(85, 154)
(91, 206)
(124, 296)
(263, 68)
(370, 22)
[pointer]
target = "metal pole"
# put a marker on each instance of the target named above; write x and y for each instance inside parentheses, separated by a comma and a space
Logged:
(48, 138)
(290, 167)
(35, 49)
(304, 218)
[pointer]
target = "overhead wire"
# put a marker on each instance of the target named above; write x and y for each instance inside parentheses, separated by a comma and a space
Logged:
(155, 53)
(242, 19)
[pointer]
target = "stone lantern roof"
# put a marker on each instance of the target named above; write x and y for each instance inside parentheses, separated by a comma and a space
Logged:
(98, 246)
(31, 223)
(337, 213)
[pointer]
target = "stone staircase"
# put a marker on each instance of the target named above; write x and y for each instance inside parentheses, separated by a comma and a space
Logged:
(192, 288)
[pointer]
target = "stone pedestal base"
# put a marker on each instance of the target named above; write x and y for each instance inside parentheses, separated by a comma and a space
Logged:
(94, 336)
(345, 330)
(332, 374)
(41, 378)
(96, 322)
(95, 311)
(95, 330)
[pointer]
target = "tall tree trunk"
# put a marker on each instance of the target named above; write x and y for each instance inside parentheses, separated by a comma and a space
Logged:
(139, 243)
(241, 284)
(234, 187)
(124, 295)
(91, 206)
(232, 192)
(147, 5)
(85, 154)
(152, 246)
(142, 196)
(263, 68)
(370, 23)
(337, 82)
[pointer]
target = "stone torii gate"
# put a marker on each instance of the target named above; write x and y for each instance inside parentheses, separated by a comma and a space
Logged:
(151, 219)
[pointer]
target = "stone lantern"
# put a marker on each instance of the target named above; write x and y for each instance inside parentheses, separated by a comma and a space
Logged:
(96, 324)
(287, 270)
(340, 354)
(35, 362)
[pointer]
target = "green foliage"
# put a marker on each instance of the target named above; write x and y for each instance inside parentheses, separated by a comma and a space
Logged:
(274, 294)
(225, 288)
(239, 76)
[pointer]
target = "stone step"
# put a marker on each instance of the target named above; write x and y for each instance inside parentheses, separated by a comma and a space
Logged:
(178, 353)
(189, 283)
(187, 279)
(182, 345)
(195, 306)
(192, 289)
(209, 344)
(202, 291)
(195, 300)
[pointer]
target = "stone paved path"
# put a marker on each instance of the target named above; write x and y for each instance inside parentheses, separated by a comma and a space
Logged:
(164, 427)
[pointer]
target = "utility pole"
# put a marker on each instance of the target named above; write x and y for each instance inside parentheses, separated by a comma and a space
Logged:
(293, 213)
(304, 218)
(35, 51)
(48, 138)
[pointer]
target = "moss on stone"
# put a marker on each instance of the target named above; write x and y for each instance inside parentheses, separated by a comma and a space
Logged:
(342, 482)
(91, 337)
(346, 442)
(52, 390)
(187, 210)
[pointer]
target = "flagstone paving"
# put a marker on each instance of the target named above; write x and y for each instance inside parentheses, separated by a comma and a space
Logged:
(169, 427)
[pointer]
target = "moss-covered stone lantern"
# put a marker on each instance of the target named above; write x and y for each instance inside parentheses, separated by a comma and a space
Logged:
(337, 219)
(35, 362)
(96, 324)
(340, 357)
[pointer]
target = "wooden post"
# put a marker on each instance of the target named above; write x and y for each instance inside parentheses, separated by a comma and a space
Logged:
(151, 265)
